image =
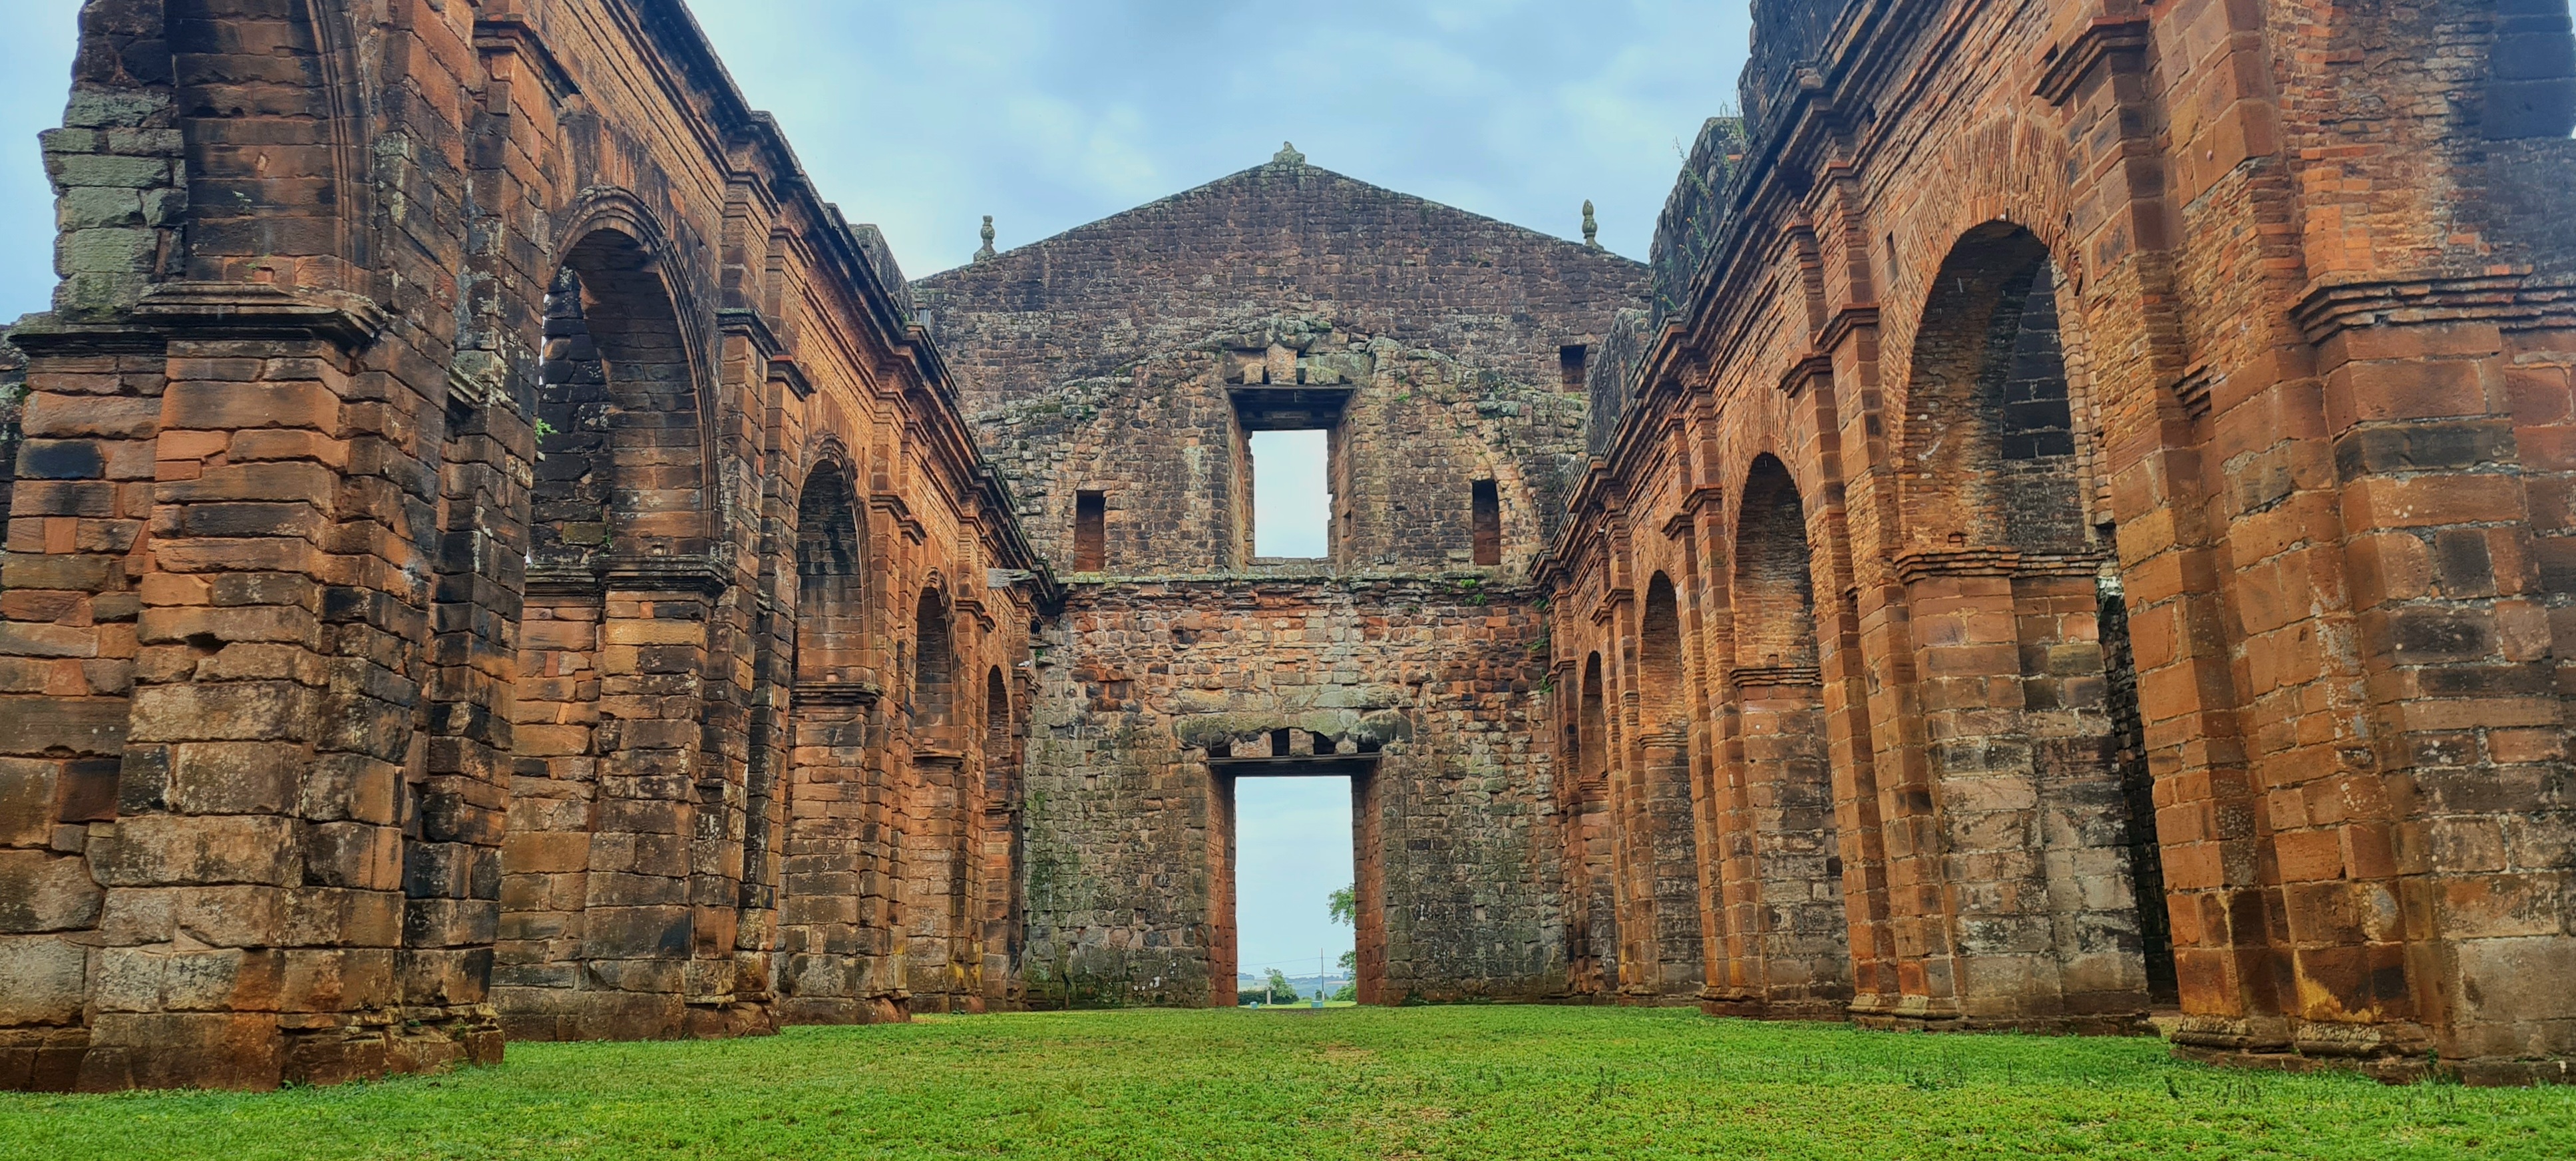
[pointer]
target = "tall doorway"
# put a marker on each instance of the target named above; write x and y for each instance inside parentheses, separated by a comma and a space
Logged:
(1292, 830)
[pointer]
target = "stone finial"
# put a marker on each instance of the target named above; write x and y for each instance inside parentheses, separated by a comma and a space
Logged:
(1591, 227)
(987, 231)
(1288, 155)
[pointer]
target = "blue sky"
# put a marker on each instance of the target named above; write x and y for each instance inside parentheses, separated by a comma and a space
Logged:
(923, 117)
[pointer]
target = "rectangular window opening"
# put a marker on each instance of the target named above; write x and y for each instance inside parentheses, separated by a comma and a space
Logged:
(1489, 523)
(1090, 531)
(1570, 361)
(1292, 494)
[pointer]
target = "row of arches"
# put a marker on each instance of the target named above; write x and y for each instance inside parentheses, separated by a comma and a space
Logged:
(1927, 803)
(743, 793)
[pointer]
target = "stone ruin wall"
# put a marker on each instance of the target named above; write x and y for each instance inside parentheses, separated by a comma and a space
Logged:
(348, 725)
(1133, 358)
(492, 556)
(1146, 679)
(1168, 452)
(2296, 440)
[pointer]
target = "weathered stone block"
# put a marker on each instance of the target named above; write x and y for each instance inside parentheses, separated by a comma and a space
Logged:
(161, 850)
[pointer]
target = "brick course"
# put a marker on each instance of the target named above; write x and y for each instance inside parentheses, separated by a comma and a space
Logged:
(404, 601)
(2077, 516)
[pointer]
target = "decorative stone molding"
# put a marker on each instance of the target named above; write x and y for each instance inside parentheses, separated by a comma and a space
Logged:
(2506, 299)
(2118, 40)
(1746, 678)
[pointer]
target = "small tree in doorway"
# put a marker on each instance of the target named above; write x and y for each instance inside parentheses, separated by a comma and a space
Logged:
(1345, 906)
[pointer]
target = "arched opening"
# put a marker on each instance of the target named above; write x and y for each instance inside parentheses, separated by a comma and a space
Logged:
(831, 580)
(1003, 843)
(1788, 772)
(1595, 752)
(1663, 847)
(1659, 662)
(624, 468)
(943, 961)
(934, 671)
(1991, 441)
(2010, 630)
(1593, 958)
(617, 549)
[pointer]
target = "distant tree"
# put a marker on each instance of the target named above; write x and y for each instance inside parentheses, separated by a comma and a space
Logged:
(1348, 993)
(1345, 906)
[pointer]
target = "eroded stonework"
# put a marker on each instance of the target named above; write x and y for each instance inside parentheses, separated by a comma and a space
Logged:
(2074, 519)
(1116, 373)
(493, 554)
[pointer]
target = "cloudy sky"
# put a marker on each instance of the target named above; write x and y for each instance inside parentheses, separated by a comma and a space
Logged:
(924, 116)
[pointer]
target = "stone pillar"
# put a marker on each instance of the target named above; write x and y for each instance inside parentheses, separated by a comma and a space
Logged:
(257, 915)
(554, 806)
(836, 946)
(2423, 868)
(642, 937)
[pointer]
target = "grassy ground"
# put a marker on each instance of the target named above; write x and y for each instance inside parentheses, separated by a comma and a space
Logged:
(1476, 1082)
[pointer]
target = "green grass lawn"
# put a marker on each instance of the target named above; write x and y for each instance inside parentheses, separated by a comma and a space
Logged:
(1466, 1082)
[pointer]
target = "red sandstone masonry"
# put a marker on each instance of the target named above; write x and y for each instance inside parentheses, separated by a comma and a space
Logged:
(347, 725)
(338, 739)
(2299, 417)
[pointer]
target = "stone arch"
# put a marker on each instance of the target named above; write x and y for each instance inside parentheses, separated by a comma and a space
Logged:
(1594, 753)
(624, 476)
(1661, 920)
(1774, 597)
(2002, 567)
(1002, 842)
(1593, 935)
(1788, 771)
(1001, 767)
(296, 95)
(831, 578)
(1661, 702)
(942, 949)
(1990, 438)
(933, 696)
(620, 550)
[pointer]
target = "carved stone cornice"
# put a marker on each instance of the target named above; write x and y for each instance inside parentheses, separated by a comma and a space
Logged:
(43, 335)
(1924, 564)
(901, 513)
(1750, 677)
(2331, 309)
(1994, 561)
(1844, 322)
(213, 311)
(2108, 37)
(1813, 366)
(562, 580)
(672, 575)
(754, 327)
(785, 370)
(1701, 498)
(822, 693)
(512, 33)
